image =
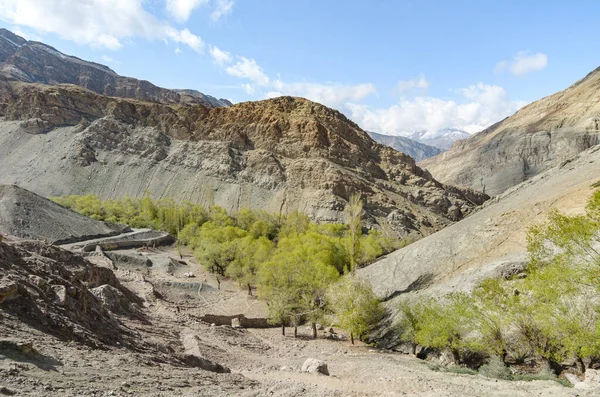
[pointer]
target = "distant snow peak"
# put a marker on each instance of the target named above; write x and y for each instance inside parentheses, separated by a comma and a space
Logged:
(442, 139)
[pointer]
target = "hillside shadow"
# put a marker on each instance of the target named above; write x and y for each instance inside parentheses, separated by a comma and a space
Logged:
(423, 281)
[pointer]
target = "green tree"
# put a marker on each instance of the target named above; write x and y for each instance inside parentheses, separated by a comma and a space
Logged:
(353, 211)
(355, 308)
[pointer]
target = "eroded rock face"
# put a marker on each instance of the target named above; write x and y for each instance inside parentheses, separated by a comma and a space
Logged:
(281, 155)
(61, 304)
(538, 137)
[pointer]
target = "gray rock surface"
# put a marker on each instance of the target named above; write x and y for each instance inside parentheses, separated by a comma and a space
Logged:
(27, 215)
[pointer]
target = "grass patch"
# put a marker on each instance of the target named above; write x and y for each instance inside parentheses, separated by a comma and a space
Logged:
(532, 377)
(452, 369)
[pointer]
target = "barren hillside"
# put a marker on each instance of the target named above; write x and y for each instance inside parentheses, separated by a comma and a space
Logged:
(540, 136)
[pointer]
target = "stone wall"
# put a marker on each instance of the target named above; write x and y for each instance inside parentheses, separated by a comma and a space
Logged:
(244, 321)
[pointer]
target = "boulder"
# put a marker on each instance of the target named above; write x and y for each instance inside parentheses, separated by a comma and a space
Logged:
(113, 299)
(314, 366)
(574, 379)
(37, 280)
(235, 323)
(8, 288)
(592, 377)
(61, 294)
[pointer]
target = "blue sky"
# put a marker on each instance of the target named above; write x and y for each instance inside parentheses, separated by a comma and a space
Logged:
(392, 66)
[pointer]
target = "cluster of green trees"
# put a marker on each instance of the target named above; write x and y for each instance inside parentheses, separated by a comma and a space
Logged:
(552, 314)
(303, 270)
(163, 214)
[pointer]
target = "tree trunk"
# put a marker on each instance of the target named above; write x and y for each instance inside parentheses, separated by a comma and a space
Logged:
(249, 290)
(351, 338)
(414, 349)
(314, 330)
(580, 365)
(295, 330)
(283, 328)
(218, 283)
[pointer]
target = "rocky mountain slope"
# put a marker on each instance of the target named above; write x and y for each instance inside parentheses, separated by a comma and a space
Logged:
(281, 155)
(489, 243)
(540, 136)
(27, 215)
(35, 62)
(414, 149)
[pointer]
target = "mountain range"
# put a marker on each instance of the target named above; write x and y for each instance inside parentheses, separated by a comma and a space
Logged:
(35, 62)
(417, 150)
(97, 135)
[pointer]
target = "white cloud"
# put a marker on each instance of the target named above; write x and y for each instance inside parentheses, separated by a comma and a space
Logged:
(177, 50)
(185, 37)
(222, 7)
(248, 69)
(484, 105)
(181, 9)
(221, 57)
(523, 63)
(249, 88)
(99, 23)
(334, 95)
(107, 59)
(418, 82)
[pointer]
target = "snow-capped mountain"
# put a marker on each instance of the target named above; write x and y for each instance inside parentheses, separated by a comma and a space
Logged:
(442, 139)
(417, 150)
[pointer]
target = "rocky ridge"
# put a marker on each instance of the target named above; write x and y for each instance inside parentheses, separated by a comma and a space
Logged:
(538, 137)
(35, 62)
(281, 155)
(415, 149)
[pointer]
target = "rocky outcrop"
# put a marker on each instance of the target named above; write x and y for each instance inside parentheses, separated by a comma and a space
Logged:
(490, 243)
(50, 290)
(538, 137)
(35, 62)
(25, 214)
(281, 155)
(417, 150)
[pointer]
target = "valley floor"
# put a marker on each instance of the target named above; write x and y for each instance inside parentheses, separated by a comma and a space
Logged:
(262, 361)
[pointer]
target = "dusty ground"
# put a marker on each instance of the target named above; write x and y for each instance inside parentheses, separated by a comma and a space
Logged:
(262, 361)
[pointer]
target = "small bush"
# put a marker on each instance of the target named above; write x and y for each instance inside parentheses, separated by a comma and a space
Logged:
(542, 376)
(496, 369)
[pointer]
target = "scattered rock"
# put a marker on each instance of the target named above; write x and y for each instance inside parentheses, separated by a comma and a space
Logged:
(37, 280)
(61, 294)
(314, 366)
(581, 386)
(574, 379)
(592, 377)
(189, 275)
(7, 392)
(235, 323)
(8, 289)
